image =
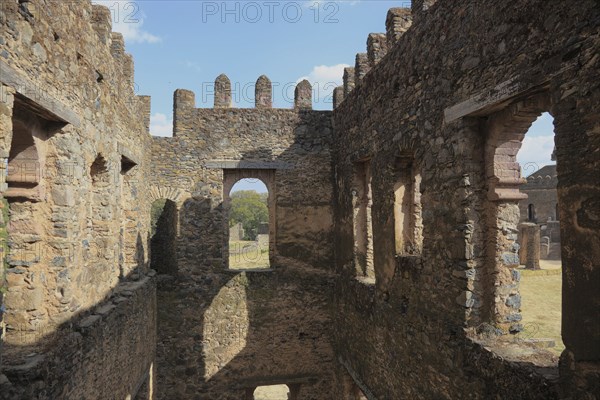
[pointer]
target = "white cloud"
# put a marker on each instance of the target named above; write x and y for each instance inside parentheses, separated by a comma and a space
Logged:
(161, 125)
(128, 19)
(535, 153)
(325, 78)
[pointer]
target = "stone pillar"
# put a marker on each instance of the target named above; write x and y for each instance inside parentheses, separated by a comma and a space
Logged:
(362, 66)
(263, 93)
(398, 21)
(338, 96)
(349, 74)
(376, 48)
(303, 96)
(529, 252)
(222, 92)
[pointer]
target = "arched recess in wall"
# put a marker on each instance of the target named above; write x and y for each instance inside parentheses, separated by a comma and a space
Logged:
(267, 177)
(163, 234)
(165, 227)
(506, 131)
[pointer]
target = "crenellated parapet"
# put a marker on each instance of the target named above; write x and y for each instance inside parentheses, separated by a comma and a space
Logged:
(398, 21)
(184, 100)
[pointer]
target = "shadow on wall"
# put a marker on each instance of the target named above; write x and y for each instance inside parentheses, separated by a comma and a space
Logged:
(222, 332)
(97, 353)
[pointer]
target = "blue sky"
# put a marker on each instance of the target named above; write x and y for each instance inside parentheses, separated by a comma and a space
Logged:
(187, 44)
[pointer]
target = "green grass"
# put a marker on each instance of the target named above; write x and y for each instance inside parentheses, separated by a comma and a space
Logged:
(541, 305)
(246, 255)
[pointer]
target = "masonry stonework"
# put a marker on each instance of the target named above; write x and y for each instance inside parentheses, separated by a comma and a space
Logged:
(80, 316)
(393, 219)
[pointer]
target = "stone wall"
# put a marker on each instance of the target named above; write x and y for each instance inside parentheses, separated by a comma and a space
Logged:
(455, 95)
(542, 193)
(76, 142)
(226, 332)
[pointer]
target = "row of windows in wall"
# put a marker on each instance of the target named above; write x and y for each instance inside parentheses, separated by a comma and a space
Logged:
(408, 222)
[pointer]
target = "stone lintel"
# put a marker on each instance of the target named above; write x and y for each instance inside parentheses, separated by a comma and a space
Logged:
(243, 164)
(279, 380)
(48, 108)
(500, 96)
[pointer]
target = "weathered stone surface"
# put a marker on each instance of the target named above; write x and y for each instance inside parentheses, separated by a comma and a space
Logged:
(393, 232)
(75, 139)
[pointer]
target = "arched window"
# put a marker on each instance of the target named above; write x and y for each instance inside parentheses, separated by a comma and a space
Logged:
(531, 212)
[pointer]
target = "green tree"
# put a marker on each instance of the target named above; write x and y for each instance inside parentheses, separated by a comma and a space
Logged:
(250, 209)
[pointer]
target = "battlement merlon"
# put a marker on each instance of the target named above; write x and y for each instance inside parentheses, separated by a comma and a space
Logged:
(349, 81)
(263, 93)
(397, 23)
(303, 96)
(362, 67)
(102, 22)
(377, 48)
(183, 100)
(222, 92)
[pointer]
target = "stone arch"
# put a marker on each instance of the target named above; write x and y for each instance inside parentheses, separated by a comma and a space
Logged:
(505, 131)
(177, 195)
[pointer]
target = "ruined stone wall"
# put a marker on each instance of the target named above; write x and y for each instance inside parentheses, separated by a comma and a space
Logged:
(541, 192)
(455, 95)
(224, 332)
(75, 139)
